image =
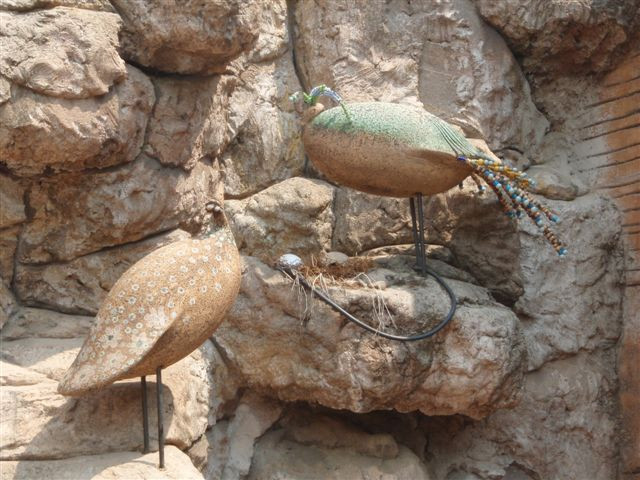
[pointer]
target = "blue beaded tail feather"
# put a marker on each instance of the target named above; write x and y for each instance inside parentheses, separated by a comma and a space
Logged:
(510, 186)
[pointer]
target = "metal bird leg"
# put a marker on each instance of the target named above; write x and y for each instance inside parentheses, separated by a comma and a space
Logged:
(145, 415)
(417, 223)
(160, 422)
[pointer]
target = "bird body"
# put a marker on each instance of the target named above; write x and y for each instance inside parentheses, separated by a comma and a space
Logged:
(386, 148)
(160, 310)
(401, 151)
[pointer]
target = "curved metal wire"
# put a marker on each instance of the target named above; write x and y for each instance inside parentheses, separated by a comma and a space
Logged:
(295, 275)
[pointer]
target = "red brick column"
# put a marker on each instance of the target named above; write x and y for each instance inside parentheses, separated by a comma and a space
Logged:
(618, 124)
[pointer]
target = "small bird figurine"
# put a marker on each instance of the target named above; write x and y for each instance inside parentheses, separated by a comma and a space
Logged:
(161, 309)
(402, 151)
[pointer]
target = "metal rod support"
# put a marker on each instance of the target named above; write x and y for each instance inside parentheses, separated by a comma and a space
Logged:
(422, 261)
(160, 421)
(145, 415)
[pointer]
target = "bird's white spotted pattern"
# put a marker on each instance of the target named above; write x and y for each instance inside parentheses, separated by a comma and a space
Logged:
(161, 309)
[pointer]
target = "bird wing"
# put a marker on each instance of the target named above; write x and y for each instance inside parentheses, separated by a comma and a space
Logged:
(127, 326)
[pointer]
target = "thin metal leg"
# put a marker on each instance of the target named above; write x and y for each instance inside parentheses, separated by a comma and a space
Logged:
(414, 227)
(160, 422)
(422, 258)
(145, 415)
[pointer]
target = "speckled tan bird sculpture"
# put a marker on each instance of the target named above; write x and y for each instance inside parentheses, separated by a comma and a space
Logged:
(161, 309)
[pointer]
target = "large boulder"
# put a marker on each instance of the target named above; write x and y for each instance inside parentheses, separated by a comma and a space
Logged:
(561, 36)
(61, 52)
(186, 37)
(41, 134)
(295, 214)
(74, 214)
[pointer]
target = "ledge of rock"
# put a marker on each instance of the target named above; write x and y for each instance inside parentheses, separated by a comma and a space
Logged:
(472, 367)
(105, 467)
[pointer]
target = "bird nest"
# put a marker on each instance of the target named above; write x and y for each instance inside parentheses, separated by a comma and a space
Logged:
(345, 271)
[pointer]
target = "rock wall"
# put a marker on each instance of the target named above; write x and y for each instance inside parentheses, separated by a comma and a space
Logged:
(119, 119)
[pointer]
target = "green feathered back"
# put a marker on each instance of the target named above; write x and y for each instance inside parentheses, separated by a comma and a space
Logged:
(413, 127)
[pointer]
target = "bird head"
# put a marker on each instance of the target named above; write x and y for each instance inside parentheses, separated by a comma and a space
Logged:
(307, 103)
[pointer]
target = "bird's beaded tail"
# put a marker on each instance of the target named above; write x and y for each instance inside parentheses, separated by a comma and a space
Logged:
(510, 186)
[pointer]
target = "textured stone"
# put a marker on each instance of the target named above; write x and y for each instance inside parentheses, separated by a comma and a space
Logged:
(186, 37)
(14, 375)
(44, 134)
(189, 119)
(365, 221)
(563, 36)
(265, 145)
(564, 410)
(8, 244)
(252, 418)
(209, 454)
(553, 184)
(48, 356)
(39, 423)
(471, 367)
(328, 448)
(11, 201)
(40, 323)
(484, 242)
(291, 216)
(80, 286)
(273, 39)
(7, 303)
(5, 90)
(103, 209)
(28, 5)
(572, 306)
(441, 54)
(61, 52)
(107, 466)
(326, 431)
